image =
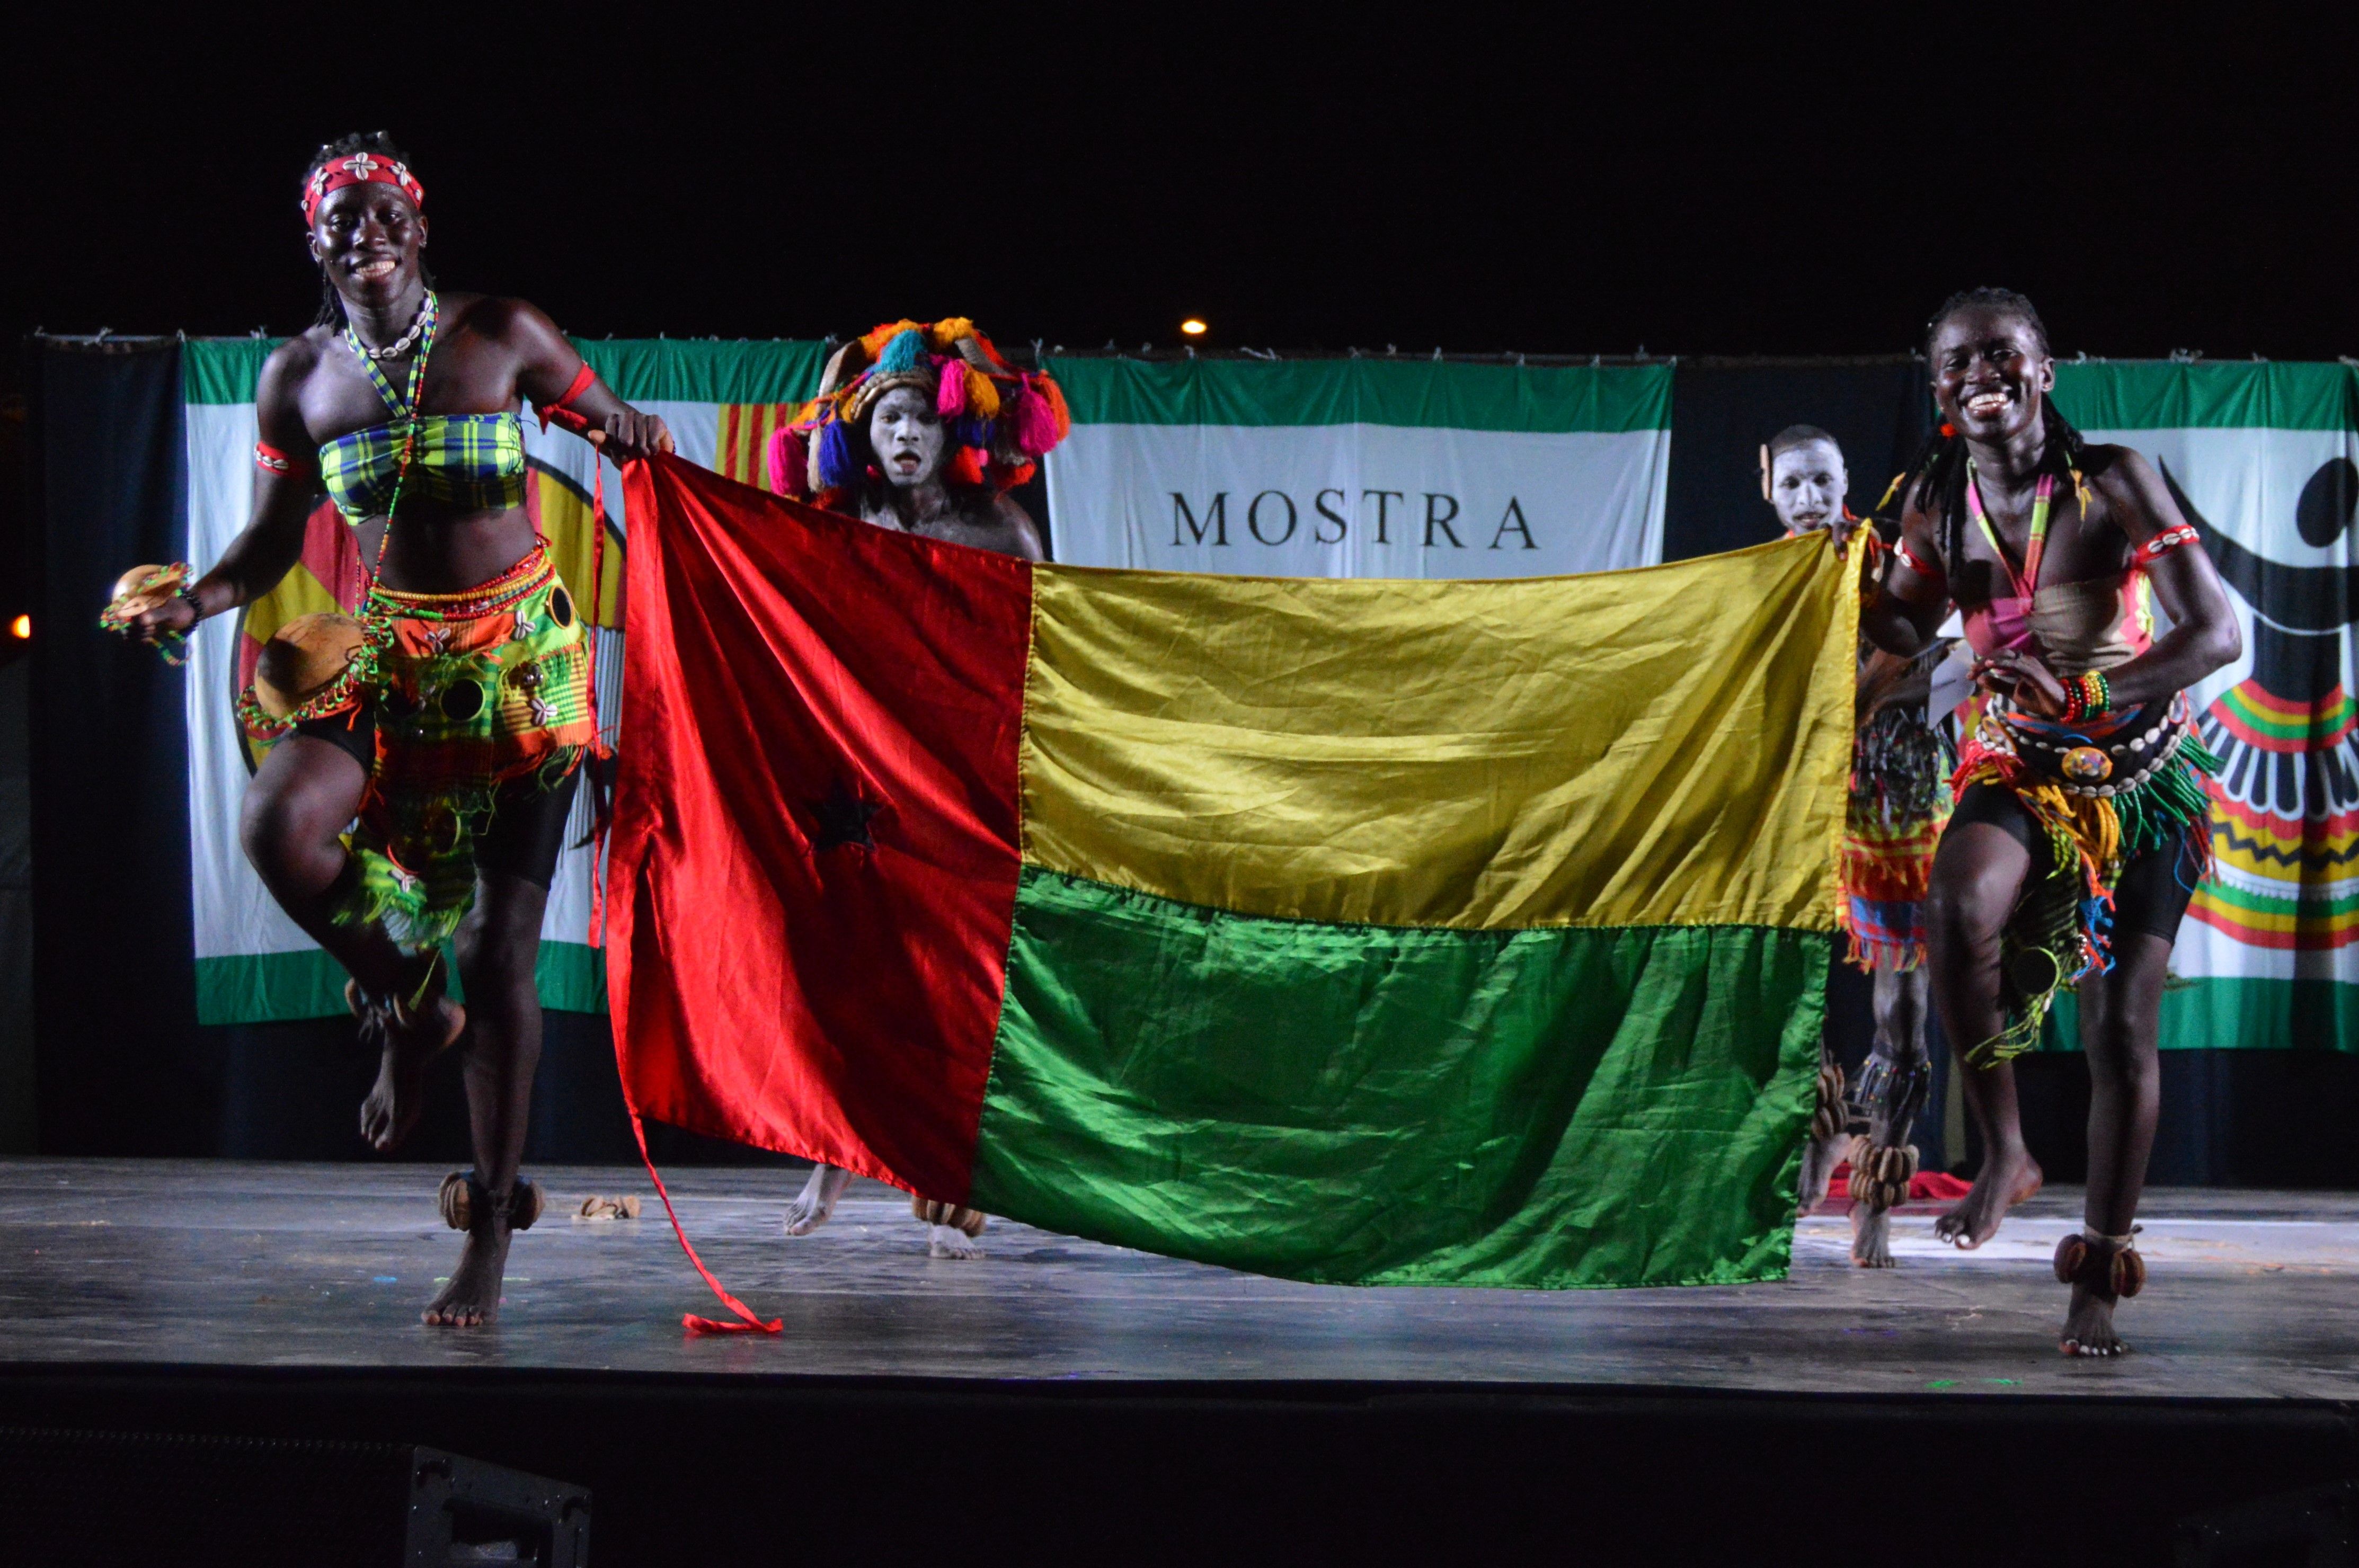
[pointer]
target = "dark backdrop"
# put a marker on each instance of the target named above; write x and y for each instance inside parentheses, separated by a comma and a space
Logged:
(1757, 179)
(124, 1069)
(1723, 411)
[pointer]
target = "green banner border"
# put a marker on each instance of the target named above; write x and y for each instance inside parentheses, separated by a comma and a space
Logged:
(2158, 394)
(1416, 394)
(639, 370)
(2237, 1014)
(273, 987)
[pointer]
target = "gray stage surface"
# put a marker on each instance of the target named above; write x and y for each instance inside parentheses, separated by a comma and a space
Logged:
(208, 1262)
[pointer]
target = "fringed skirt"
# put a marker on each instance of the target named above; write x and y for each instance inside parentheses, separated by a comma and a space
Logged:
(2103, 792)
(1891, 826)
(477, 696)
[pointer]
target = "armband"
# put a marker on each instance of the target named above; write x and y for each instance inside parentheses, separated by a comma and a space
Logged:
(2162, 544)
(1908, 559)
(562, 408)
(271, 459)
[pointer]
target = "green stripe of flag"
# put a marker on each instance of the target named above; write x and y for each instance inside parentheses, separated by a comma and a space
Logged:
(2152, 394)
(2236, 1013)
(266, 988)
(1351, 1103)
(639, 370)
(1416, 393)
(223, 370)
(673, 370)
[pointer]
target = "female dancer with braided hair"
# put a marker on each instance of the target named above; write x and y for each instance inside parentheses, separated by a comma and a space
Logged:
(2081, 824)
(450, 720)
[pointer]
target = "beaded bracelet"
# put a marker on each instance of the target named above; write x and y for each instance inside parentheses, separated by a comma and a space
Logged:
(2087, 695)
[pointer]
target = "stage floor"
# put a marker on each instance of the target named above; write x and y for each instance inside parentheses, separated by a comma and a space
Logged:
(217, 1263)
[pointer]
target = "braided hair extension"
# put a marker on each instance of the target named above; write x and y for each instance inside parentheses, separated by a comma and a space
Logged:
(376, 144)
(1936, 484)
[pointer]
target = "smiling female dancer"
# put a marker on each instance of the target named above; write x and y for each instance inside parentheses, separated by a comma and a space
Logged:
(922, 429)
(450, 718)
(2081, 824)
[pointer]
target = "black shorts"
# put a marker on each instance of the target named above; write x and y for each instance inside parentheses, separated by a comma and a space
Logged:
(528, 826)
(2156, 885)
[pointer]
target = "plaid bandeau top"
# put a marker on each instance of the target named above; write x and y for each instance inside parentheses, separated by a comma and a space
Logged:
(468, 462)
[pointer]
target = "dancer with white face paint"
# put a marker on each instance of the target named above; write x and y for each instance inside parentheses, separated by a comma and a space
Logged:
(1806, 477)
(922, 429)
(1898, 803)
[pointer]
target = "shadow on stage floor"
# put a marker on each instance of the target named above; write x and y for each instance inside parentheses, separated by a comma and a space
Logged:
(1088, 1402)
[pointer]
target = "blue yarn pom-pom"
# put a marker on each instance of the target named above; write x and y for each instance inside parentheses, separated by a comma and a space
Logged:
(906, 352)
(970, 431)
(838, 466)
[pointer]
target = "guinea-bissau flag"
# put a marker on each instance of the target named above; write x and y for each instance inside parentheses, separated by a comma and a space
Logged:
(1366, 932)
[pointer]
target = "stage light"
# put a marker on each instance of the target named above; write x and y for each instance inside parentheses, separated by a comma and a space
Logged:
(1192, 327)
(21, 627)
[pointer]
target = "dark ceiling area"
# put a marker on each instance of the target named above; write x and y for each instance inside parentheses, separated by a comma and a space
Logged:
(1775, 185)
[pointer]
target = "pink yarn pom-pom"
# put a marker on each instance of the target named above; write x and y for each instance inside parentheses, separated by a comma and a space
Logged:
(1036, 422)
(786, 462)
(950, 402)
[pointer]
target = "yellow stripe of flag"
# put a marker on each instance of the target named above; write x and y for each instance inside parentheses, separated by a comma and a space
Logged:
(1615, 748)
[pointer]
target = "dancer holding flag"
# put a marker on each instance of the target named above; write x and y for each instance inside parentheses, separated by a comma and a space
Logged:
(451, 718)
(921, 429)
(1898, 803)
(2081, 824)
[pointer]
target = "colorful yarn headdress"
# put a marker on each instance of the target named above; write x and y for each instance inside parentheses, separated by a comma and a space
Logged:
(998, 421)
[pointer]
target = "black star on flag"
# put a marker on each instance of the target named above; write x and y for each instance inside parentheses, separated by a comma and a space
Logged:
(843, 819)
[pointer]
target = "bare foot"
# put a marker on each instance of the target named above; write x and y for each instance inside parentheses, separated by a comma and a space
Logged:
(473, 1297)
(1820, 1158)
(1871, 1237)
(2005, 1180)
(949, 1242)
(412, 1039)
(2089, 1327)
(817, 1201)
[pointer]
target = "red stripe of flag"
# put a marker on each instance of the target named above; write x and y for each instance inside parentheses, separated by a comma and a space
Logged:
(775, 979)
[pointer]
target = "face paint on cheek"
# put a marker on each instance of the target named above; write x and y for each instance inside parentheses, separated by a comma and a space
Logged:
(1808, 485)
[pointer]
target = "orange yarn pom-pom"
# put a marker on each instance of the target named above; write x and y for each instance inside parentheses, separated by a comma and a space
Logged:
(982, 397)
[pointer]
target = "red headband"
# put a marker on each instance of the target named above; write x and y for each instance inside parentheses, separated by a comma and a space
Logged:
(361, 168)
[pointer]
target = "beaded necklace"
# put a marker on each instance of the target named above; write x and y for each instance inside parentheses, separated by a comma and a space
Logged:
(404, 409)
(2026, 582)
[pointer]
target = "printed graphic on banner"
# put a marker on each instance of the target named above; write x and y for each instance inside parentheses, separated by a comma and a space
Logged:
(1360, 468)
(2264, 459)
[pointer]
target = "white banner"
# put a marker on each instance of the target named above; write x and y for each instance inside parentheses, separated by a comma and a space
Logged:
(1358, 500)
